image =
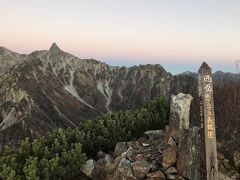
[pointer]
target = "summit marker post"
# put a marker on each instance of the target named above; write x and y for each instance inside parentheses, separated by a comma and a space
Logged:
(207, 118)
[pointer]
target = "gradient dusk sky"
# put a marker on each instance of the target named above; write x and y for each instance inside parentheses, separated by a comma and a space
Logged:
(178, 34)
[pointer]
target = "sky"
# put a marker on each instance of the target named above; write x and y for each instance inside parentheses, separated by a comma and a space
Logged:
(178, 34)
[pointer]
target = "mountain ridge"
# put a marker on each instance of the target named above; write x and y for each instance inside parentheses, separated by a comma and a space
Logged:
(55, 47)
(48, 89)
(64, 90)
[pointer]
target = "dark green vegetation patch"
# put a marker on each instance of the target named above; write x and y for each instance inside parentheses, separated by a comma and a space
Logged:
(61, 153)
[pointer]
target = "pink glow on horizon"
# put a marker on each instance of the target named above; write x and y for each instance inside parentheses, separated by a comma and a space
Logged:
(135, 52)
(136, 31)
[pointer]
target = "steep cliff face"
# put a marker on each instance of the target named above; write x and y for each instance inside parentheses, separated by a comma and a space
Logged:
(50, 89)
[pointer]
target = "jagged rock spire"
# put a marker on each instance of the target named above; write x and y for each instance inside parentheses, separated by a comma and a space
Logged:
(54, 48)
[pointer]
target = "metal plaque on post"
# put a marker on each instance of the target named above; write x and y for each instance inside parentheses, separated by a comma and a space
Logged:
(207, 118)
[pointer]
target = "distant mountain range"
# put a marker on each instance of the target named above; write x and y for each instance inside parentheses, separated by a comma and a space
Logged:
(51, 88)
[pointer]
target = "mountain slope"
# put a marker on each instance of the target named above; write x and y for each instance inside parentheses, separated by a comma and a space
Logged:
(51, 89)
(8, 59)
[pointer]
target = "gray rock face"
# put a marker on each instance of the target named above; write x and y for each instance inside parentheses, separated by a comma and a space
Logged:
(124, 166)
(188, 162)
(108, 159)
(120, 148)
(141, 169)
(179, 113)
(89, 168)
(169, 156)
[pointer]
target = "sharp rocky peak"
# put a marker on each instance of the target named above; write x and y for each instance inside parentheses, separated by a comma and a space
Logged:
(54, 48)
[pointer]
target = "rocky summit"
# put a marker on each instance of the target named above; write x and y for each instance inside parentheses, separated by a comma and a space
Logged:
(160, 154)
(49, 89)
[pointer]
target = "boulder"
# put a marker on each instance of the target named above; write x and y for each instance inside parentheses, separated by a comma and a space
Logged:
(141, 169)
(89, 168)
(119, 168)
(188, 162)
(157, 175)
(108, 159)
(124, 166)
(130, 154)
(179, 113)
(169, 156)
(140, 157)
(120, 148)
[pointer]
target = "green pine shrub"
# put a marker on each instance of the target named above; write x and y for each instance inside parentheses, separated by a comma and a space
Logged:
(61, 153)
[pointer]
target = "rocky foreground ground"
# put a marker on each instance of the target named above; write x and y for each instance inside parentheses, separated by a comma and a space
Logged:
(173, 153)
